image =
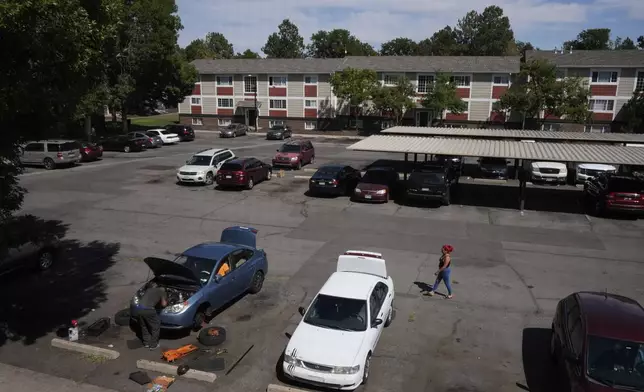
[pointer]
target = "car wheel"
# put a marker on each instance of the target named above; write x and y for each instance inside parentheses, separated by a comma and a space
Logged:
(45, 260)
(250, 184)
(212, 336)
(257, 283)
(209, 179)
(299, 165)
(199, 320)
(390, 316)
(49, 164)
(122, 318)
(126, 149)
(367, 369)
(269, 175)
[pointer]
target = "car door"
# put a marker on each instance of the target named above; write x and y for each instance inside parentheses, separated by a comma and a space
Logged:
(34, 153)
(573, 341)
(384, 304)
(373, 331)
(242, 270)
(221, 289)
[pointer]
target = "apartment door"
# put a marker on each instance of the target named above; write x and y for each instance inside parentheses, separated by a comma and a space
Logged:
(251, 117)
(422, 118)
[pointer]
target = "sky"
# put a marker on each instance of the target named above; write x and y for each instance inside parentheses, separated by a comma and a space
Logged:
(546, 24)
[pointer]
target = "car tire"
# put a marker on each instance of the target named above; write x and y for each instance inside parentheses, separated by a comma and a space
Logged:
(250, 184)
(257, 283)
(198, 320)
(366, 370)
(127, 149)
(46, 259)
(122, 318)
(269, 175)
(212, 336)
(299, 165)
(209, 179)
(49, 164)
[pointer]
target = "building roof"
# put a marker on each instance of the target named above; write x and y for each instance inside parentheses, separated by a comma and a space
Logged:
(517, 134)
(590, 58)
(350, 285)
(561, 152)
(429, 64)
(612, 316)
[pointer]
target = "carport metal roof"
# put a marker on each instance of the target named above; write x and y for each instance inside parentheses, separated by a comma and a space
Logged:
(561, 152)
(518, 134)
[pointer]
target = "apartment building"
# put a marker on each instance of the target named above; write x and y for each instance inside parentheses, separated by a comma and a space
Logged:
(298, 91)
(612, 75)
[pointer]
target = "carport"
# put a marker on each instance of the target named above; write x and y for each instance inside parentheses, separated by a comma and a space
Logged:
(508, 149)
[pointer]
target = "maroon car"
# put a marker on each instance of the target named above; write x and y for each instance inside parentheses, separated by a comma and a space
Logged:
(378, 184)
(598, 341)
(243, 172)
(90, 151)
(295, 154)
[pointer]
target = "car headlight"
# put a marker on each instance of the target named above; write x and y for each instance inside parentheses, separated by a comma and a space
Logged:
(358, 190)
(346, 369)
(176, 308)
(381, 192)
(292, 361)
(293, 158)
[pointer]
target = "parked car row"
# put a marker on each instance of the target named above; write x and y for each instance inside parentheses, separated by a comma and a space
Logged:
(153, 138)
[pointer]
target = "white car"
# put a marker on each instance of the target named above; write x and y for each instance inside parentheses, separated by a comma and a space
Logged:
(203, 166)
(587, 171)
(549, 172)
(333, 343)
(168, 137)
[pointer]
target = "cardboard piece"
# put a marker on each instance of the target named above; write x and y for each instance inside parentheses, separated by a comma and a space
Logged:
(160, 384)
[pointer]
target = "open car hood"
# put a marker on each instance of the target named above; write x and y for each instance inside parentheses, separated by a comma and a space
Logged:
(167, 268)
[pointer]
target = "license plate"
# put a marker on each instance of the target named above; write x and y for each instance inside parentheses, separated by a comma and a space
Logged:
(425, 189)
(550, 179)
(229, 177)
(315, 379)
(367, 196)
(628, 198)
(321, 182)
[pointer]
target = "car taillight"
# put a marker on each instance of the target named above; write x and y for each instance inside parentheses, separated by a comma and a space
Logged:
(239, 173)
(87, 150)
(611, 196)
(150, 139)
(59, 155)
(334, 182)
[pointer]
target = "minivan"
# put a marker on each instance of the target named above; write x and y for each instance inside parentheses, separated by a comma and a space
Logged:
(51, 153)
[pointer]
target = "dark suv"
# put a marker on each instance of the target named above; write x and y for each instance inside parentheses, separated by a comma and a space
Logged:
(598, 342)
(295, 154)
(493, 168)
(431, 182)
(184, 132)
(614, 193)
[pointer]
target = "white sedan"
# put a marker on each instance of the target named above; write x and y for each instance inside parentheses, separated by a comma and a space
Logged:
(168, 137)
(333, 344)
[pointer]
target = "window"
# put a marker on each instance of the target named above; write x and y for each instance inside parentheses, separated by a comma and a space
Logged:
(639, 82)
(197, 121)
(425, 83)
(225, 103)
(195, 101)
(552, 127)
(596, 129)
(309, 125)
(502, 80)
(277, 81)
(35, 147)
(273, 123)
(460, 81)
(601, 105)
(277, 103)
(224, 80)
(604, 77)
(311, 104)
(222, 122)
(384, 124)
(250, 84)
(313, 79)
(390, 80)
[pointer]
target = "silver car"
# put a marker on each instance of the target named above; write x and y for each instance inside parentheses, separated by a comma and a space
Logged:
(233, 130)
(156, 139)
(51, 153)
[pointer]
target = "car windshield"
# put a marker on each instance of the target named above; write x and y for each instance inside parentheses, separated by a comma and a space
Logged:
(277, 128)
(376, 177)
(427, 178)
(200, 160)
(167, 132)
(344, 314)
(328, 171)
(626, 185)
(202, 268)
(493, 161)
(152, 134)
(290, 148)
(616, 362)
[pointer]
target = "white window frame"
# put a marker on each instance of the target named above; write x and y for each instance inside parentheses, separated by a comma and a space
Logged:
(639, 72)
(314, 101)
(611, 71)
(429, 76)
(592, 103)
(224, 122)
(494, 82)
(313, 80)
(271, 81)
(272, 123)
(246, 85)
(469, 80)
(197, 121)
(195, 101)
(386, 123)
(603, 128)
(271, 101)
(310, 125)
(219, 79)
(228, 100)
(393, 78)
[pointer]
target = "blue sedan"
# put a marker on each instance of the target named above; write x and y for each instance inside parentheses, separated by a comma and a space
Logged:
(207, 276)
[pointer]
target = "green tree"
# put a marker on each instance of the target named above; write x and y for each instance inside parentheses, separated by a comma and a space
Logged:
(214, 46)
(286, 43)
(197, 49)
(399, 47)
(355, 87)
(338, 43)
(442, 97)
(444, 42)
(425, 47)
(640, 42)
(632, 113)
(569, 99)
(590, 39)
(624, 44)
(486, 34)
(394, 101)
(248, 54)
(522, 47)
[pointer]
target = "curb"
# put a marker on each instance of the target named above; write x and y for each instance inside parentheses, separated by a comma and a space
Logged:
(84, 348)
(166, 368)
(282, 388)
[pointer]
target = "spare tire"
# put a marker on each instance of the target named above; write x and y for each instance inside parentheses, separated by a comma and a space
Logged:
(122, 318)
(212, 336)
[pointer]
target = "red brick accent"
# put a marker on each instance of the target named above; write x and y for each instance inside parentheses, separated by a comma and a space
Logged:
(277, 91)
(195, 109)
(224, 90)
(463, 92)
(310, 112)
(310, 91)
(277, 113)
(196, 90)
(452, 116)
(603, 90)
(603, 116)
(497, 116)
(225, 112)
(549, 116)
(498, 91)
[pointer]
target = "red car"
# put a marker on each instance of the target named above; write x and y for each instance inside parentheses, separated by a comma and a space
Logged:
(90, 151)
(243, 172)
(295, 154)
(598, 341)
(378, 184)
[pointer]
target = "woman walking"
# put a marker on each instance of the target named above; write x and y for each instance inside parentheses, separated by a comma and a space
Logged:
(444, 271)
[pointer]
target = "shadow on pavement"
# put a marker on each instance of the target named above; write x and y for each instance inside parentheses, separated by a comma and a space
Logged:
(540, 372)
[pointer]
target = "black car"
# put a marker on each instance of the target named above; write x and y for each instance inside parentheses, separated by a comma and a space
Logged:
(493, 168)
(615, 193)
(123, 143)
(454, 162)
(184, 132)
(279, 132)
(431, 182)
(26, 243)
(334, 180)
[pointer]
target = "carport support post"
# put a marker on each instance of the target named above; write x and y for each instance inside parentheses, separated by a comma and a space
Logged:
(415, 160)
(516, 169)
(425, 157)
(405, 166)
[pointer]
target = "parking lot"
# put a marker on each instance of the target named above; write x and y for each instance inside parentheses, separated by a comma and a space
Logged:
(510, 269)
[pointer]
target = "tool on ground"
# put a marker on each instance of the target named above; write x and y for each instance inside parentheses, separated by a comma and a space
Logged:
(160, 384)
(239, 360)
(72, 332)
(173, 355)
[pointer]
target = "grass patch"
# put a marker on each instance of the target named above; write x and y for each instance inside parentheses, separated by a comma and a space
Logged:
(93, 358)
(160, 120)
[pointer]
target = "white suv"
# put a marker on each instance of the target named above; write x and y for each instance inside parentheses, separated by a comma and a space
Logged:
(203, 166)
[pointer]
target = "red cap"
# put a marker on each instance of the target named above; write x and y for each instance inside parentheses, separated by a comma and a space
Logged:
(74, 323)
(448, 248)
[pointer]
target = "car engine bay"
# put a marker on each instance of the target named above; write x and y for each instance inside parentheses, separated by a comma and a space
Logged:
(174, 294)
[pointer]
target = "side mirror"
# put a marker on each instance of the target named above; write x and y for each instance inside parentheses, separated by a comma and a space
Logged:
(376, 323)
(301, 310)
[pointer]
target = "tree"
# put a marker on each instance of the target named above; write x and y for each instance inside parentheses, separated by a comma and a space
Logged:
(522, 47)
(633, 113)
(444, 42)
(394, 101)
(486, 34)
(197, 49)
(399, 47)
(425, 47)
(248, 54)
(570, 100)
(591, 39)
(624, 44)
(355, 87)
(443, 97)
(338, 43)
(214, 46)
(286, 43)
(640, 42)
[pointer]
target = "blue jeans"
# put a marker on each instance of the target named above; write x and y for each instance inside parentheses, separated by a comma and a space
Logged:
(444, 276)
